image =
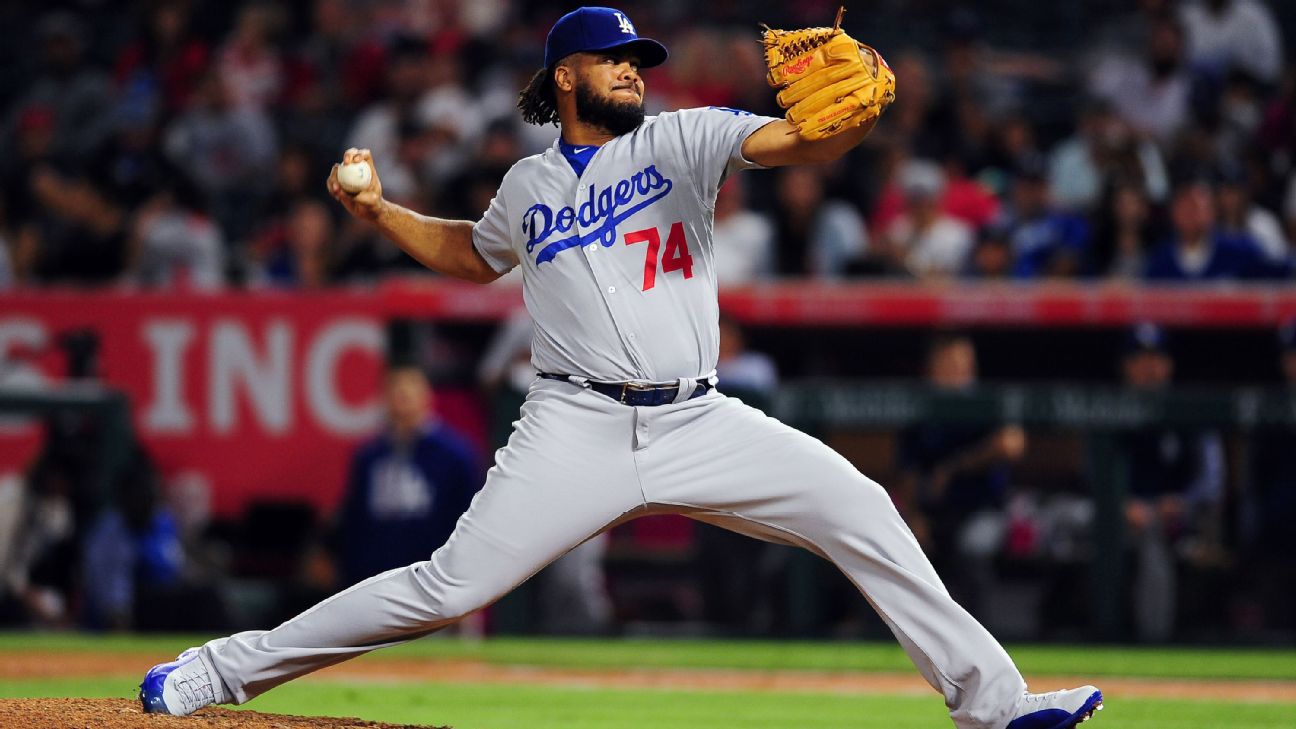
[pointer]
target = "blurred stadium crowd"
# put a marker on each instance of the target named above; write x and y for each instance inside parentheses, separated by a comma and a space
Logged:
(181, 142)
(185, 143)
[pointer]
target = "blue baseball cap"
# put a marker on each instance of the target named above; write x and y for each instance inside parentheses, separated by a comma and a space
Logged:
(599, 29)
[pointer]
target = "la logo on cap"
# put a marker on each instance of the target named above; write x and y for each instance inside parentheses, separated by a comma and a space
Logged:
(626, 27)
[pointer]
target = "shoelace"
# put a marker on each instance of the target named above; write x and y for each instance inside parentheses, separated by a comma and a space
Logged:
(196, 691)
(1030, 699)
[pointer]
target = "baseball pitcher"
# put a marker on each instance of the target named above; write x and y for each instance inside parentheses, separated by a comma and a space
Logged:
(611, 227)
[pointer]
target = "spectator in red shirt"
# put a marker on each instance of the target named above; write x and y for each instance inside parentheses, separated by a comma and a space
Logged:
(961, 198)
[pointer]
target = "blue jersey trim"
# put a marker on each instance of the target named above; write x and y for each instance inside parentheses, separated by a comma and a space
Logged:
(578, 157)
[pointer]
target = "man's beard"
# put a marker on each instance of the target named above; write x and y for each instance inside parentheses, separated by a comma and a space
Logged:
(614, 117)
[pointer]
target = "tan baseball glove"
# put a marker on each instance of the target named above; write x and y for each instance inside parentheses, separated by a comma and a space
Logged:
(830, 82)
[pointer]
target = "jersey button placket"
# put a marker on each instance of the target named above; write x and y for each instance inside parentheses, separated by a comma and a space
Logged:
(594, 262)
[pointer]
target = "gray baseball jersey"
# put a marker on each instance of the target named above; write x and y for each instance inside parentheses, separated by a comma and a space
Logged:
(618, 263)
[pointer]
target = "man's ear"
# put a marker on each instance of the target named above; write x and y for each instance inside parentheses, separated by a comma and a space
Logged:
(564, 77)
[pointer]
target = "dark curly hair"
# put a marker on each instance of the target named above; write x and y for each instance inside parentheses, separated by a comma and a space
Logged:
(539, 101)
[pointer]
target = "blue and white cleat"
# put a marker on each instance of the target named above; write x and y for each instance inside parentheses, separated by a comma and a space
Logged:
(1056, 709)
(180, 687)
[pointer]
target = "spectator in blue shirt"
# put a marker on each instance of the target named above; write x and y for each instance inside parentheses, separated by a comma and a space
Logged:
(1176, 482)
(407, 486)
(1198, 250)
(131, 549)
(953, 484)
(1046, 241)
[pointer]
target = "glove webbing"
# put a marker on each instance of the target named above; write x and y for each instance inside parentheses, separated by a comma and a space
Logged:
(811, 39)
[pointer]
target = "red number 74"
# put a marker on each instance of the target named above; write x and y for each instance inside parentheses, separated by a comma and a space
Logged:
(677, 256)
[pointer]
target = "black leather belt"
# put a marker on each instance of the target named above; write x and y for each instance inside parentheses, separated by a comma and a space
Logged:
(635, 394)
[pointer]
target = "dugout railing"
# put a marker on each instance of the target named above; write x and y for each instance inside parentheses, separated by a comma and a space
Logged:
(108, 408)
(821, 407)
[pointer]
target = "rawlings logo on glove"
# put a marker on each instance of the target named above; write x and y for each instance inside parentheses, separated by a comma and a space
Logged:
(797, 67)
(830, 82)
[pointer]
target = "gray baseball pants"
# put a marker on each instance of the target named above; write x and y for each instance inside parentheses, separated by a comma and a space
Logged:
(578, 463)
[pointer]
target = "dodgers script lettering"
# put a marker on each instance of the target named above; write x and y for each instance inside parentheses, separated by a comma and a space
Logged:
(603, 210)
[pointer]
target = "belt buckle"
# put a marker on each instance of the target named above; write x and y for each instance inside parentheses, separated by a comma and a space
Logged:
(631, 386)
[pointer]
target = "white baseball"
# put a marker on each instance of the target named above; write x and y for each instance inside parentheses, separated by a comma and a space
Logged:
(354, 176)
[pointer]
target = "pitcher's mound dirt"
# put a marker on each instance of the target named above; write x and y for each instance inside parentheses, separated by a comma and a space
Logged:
(126, 714)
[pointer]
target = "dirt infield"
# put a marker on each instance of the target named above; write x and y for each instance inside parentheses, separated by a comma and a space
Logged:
(126, 714)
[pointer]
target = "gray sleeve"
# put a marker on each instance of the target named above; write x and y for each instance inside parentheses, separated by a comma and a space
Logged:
(712, 139)
(490, 236)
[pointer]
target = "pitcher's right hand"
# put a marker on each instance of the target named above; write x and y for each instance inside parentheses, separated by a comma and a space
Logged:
(367, 203)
